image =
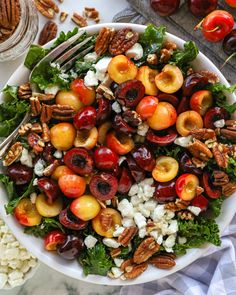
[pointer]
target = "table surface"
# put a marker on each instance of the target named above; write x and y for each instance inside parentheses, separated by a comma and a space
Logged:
(47, 281)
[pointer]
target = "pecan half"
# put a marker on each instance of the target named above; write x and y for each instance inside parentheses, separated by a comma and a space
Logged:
(43, 97)
(92, 13)
(232, 151)
(170, 45)
(24, 91)
(199, 150)
(37, 128)
(162, 261)
(186, 215)
(145, 250)
(212, 77)
(231, 124)
(45, 132)
(48, 32)
(9, 16)
(47, 8)
(123, 40)
(220, 178)
(25, 128)
(229, 189)
(13, 154)
(79, 20)
(36, 142)
(199, 163)
(220, 152)
(177, 205)
(48, 171)
(135, 271)
(127, 235)
(126, 263)
(152, 59)
(35, 106)
(63, 112)
(63, 16)
(228, 133)
(103, 40)
(115, 252)
(106, 221)
(165, 55)
(203, 133)
(46, 113)
(132, 118)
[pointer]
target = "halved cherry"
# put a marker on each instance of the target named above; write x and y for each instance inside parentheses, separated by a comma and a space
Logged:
(105, 158)
(165, 192)
(68, 220)
(162, 140)
(172, 99)
(85, 119)
(86, 94)
(186, 165)
(201, 202)
(120, 125)
(121, 144)
(215, 114)
(137, 172)
(186, 186)
(54, 238)
(211, 191)
(193, 83)
(147, 106)
(125, 181)
(50, 188)
(103, 110)
(144, 157)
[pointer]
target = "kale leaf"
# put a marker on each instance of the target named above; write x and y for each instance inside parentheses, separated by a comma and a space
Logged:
(82, 67)
(10, 91)
(215, 206)
(231, 169)
(182, 57)
(8, 184)
(41, 230)
(95, 260)
(64, 37)
(171, 151)
(34, 55)
(197, 232)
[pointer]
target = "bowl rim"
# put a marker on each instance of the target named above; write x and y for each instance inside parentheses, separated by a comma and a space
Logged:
(148, 276)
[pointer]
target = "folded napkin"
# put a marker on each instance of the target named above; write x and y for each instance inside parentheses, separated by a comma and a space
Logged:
(213, 274)
(181, 24)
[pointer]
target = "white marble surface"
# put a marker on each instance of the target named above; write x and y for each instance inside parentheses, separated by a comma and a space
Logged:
(47, 281)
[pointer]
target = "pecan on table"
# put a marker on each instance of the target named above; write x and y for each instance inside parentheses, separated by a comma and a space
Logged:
(63, 16)
(91, 13)
(35, 142)
(48, 32)
(185, 215)
(127, 235)
(229, 188)
(123, 40)
(220, 152)
(145, 250)
(199, 150)
(103, 40)
(13, 154)
(63, 112)
(220, 178)
(162, 261)
(24, 91)
(79, 20)
(47, 8)
(203, 134)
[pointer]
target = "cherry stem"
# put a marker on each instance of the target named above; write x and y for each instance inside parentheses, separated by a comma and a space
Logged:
(213, 30)
(198, 26)
(228, 59)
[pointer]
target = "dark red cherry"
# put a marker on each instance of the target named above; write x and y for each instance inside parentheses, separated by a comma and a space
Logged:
(50, 188)
(79, 160)
(210, 190)
(120, 125)
(165, 7)
(215, 114)
(71, 248)
(85, 119)
(48, 152)
(194, 82)
(202, 7)
(103, 110)
(201, 202)
(68, 220)
(144, 157)
(136, 171)
(162, 140)
(165, 192)
(168, 98)
(105, 158)
(183, 105)
(125, 181)
(187, 166)
(19, 174)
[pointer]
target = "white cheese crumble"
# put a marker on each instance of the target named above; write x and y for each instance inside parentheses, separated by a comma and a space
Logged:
(26, 158)
(118, 261)
(90, 241)
(58, 154)
(15, 261)
(112, 243)
(101, 67)
(219, 123)
(142, 129)
(118, 231)
(135, 52)
(115, 273)
(52, 89)
(90, 79)
(126, 208)
(39, 167)
(183, 141)
(195, 210)
(91, 57)
(116, 107)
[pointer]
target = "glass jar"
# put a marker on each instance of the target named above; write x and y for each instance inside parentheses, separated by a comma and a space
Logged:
(24, 35)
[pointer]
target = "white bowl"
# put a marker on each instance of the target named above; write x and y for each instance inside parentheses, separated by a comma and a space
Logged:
(72, 269)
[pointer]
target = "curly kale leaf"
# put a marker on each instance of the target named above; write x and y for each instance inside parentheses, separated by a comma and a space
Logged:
(197, 232)
(47, 225)
(8, 184)
(215, 206)
(95, 260)
(231, 169)
(170, 151)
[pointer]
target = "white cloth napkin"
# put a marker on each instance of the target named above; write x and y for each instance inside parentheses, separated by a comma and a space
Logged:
(213, 274)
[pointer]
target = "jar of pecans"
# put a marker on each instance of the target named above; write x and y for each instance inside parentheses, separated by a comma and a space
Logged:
(18, 27)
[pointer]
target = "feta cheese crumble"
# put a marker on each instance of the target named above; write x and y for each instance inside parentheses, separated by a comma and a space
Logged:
(90, 241)
(135, 52)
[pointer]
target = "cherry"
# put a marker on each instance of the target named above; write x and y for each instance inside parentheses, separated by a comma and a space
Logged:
(48, 152)
(103, 110)
(162, 140)
(137, 172)
(19, 174)
(144, 157)
(215, 114)
(169, 98)
(211, 191)
(183, 105)
(187, 166)
(120, 125)
(85, 119)
(68, 220)
(130, 93)
(229, 43)
(50, 188)
(193, 83)
(71, 247)
(165, 7)
(202, 7)
(201, 202)
(105, 158)
(79, 160)
(103, 186)
(125, 181)
(165, 192)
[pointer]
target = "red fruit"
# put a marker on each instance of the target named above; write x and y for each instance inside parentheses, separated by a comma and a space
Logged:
(79, 160)
(125, 181)
(147, 106)
(130, 93)
(165, 192)
(68, 220)
(201, 202)
(48, 152)
(137, 172)
(103, 110)
(72, 186)
(120, 125)
(50, 188)
(186, 186)
(186, 165)
(19, 174)
(172, 99)
(215, 114)
(231, 3)
(144, 157)
(165, 7)
(193, 83)
(183, 105)
(53, 239)
(202, 7)
(121, 143)
(211, 191)
(105, 158)
(85, 119)
(85, 94)
(71, 247)
(103, 186)
(162, 140)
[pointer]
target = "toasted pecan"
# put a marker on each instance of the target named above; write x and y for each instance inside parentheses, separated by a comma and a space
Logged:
(229, 188)
(199, 150)
(48, 32)
(24, 91)
(13, 154)
(47, 8)
(220, 152)
(103, 40)
(145, 250)
(135, 271)
(127, 235)
(220, 178)
(162, 261)
(203, 133)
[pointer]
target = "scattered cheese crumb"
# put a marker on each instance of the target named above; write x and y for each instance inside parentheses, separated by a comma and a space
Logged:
(90, 241)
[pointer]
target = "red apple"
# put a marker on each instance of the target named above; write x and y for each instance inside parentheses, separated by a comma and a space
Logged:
(186, 186)
(201, 101)
(54, 238)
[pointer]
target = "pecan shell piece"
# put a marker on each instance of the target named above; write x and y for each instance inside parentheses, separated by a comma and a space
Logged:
(127, 235)
(13, 154)
(123, 40)
(199, 150)
(162, 261)
(145, 250)
(103, 40)
(48, 33)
